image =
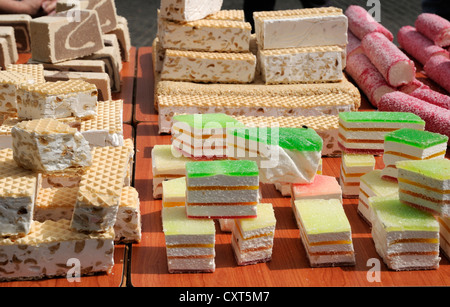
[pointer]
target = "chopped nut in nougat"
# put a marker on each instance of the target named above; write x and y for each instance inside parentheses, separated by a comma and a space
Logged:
(18, 189)
(208, 67)
(100, 189)
(10, 81)
(46, 250)
(47, 145)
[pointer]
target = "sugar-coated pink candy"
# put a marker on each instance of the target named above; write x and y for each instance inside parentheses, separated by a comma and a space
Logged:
(353, 45)
(436, 119)
(410, 87)
(435, 28)
(432, 97)
(418, 45)
(368, 78)
(438, 69)
(391, 62)
(361, 23)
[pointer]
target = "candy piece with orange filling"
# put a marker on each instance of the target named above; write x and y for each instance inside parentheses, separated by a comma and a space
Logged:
(363, 132)
(425, 184)
(411, 144)
(372, 185)
(190, 243)
(354, 166)
(222, 189)
(252, 239)
(325, 232)
(406, 238)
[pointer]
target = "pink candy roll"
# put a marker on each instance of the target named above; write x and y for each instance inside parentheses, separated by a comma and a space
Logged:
(438, 69)
(361, 23)
(392, 63)
(418, 45)
(411, 87)
(436, 119)
(368, 78)
(435, 28)
(354, 45)
(432, 97)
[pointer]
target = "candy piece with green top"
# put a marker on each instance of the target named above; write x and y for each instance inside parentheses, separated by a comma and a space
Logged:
(416, 138)
(406, 238)
(284, 155)
(325, 232)
(425, 184)
(202, 135)
(221, 167)
(364, 132)
(222, 189)
(410, 144)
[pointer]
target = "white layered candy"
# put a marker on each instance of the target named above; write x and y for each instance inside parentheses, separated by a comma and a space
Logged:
(47, 145)
(301, 28)
(188, 10)
(302, 65)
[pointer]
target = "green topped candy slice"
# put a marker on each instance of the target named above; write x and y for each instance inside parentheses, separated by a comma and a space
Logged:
(416, 138)
(378, 116)
(210, 120)
(221, 167)
(299, 139)
(438, 169)
(397, 216)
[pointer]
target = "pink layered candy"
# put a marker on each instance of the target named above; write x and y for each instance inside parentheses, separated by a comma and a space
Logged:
(390, 61)
(438, 69)
(435, 28)
(432, 97)
(361, 23)
(436, 119)
(418, 45)
(368, 78)
(353, 45)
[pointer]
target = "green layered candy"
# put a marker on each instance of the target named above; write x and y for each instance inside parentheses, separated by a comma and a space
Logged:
(417, 138)
(378, 116)
(210, 120)
(438, 169)
(299, 139)
(397, 216)
(221, 167)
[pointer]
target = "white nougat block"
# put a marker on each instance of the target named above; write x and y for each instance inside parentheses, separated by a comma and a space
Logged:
(188, 10)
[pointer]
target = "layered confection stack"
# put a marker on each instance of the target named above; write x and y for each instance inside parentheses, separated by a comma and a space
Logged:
(8, 46)
(199, 183)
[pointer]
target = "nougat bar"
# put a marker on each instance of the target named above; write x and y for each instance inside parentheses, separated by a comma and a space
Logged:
(205, 35)
(188, 10)
(302, 65)
(122, 33)
(5, 57)
(301, 28)
(58, 38)
(100, 190)
(208, 67)
(45, 252)
(47, 145)
(18, 190)
(57, 100)
(10, 81)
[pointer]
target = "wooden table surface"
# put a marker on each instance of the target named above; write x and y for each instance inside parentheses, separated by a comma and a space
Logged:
(145, 264)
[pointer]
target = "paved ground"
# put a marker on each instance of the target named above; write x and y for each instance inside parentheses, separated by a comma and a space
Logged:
(141, 14)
